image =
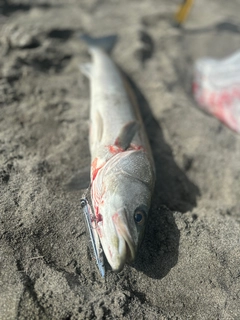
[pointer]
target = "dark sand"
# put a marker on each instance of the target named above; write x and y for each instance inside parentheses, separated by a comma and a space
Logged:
(189, 263)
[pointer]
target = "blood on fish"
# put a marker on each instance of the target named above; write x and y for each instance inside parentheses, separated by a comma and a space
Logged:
(98, 215)
(114, 149)
(136, 147)
(95, 168)
(99, 218)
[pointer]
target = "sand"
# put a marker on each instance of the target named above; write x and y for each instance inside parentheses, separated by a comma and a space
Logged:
(189, 264)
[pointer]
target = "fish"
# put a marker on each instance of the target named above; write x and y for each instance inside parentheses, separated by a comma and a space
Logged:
(122, 166)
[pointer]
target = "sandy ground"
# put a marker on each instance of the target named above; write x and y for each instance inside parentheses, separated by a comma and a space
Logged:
(189, 264)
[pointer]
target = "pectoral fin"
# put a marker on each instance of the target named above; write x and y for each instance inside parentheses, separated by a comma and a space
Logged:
(126, 135)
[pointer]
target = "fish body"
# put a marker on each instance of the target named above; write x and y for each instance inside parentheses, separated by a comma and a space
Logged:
(122, 170)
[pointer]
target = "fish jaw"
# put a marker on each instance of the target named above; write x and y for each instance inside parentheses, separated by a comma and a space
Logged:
(121, 247)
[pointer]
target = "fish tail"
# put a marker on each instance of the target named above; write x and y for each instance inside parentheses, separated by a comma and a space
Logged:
(105, 43)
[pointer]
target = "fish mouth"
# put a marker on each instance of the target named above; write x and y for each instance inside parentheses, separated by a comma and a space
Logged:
(125, 251)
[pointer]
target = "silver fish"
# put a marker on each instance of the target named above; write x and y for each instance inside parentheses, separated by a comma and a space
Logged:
(122, 169)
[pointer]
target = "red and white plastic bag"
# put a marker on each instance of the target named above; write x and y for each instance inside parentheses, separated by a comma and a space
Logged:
(216, 88)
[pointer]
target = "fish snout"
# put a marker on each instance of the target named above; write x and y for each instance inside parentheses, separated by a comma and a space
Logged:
(126, 248)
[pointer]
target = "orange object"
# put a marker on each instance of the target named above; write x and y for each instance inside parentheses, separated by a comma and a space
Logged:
(183, 11)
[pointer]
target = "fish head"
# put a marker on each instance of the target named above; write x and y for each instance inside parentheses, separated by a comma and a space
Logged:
(127, 184)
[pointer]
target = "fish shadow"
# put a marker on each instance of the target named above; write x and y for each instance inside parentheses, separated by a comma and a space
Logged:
(173, 192)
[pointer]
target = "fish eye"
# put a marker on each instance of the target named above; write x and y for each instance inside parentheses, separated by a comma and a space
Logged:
(139, 216)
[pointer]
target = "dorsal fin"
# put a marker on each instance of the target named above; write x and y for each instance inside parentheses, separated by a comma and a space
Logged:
(126, 135)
